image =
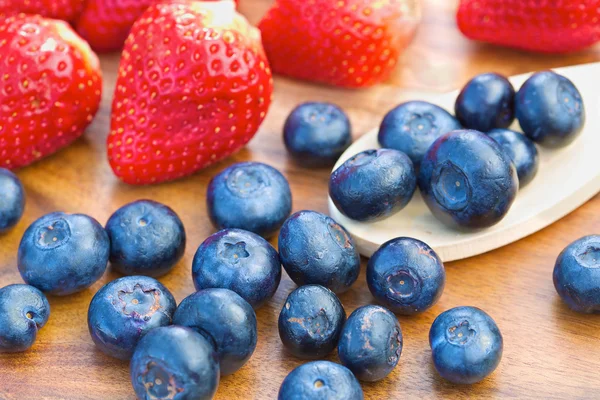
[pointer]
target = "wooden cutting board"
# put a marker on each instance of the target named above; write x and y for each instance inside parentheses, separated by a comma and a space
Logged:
(550, 352)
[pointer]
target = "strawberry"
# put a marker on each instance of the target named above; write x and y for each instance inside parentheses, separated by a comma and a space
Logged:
(50, 86)
(536, 25)
(105, 24)
(350, 43)
(66, 10)
(194, 85)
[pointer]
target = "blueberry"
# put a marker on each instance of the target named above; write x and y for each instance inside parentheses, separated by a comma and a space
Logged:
(577, 275)
(371, 343)
(406, 275)
(374, 184)
(467, 180)
(23, 311)
(316, 134)
(486, 102)
(522, 152)
(146, 238)
(124, 310)
(63, 253)
(466, 345)
(250, 196)
(310, 321)
(550, 109)
(226, 320)
(238, 260)
(320, 380)
(314, 249)
(12, 200)
(173, 362)
(413, 126)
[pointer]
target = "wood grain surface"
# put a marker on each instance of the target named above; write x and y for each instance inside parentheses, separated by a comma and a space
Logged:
(550, 352)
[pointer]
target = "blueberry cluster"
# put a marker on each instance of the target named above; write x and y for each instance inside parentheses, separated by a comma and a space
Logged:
(468, 167)
(467, 178)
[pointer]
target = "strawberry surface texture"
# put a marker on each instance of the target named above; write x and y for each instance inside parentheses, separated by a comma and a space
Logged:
(555, 26)
(194, 86)
(50, 85)
(348, 43)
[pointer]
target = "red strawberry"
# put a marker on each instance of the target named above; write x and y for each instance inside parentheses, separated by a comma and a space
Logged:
(537, 25)
(352, 43)
(66, 10)
(194, 85)
(105, 24)
(50, 86)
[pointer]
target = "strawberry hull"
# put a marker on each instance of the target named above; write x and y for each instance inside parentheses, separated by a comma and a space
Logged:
(194, 86)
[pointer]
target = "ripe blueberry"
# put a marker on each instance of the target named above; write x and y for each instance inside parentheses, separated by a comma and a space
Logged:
(226, 320)
(124, 310)
(466, 345)
(374, 184)
(467, 180)
(314, 249)
(250, 196)
(316, 134)
(146, 238)
(12, 200)
(238, 260)
(63, 253)
(310, 321)
(371, 343)
(406, 275)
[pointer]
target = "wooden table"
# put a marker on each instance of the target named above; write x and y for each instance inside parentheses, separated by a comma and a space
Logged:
(550, 352)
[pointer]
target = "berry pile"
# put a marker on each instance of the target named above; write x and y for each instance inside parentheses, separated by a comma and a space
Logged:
(468, 168)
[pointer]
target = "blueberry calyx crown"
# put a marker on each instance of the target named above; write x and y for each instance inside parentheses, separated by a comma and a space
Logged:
(233, 252)
(421, 124)
(339, 236)
(159, 383)
(403, 286)
(569, 97)
(451, 186)
(247, 181)
(589, 255)
(460, 333)
(139, 303)
(53, 234)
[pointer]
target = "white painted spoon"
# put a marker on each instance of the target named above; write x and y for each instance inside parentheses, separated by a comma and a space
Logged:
(566, 179)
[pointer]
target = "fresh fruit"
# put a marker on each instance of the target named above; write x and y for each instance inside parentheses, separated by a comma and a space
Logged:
(124, 310)
(373, 184)
(467, 180)
(320, 380)
(316, 134)
(314, 249)
(577, 275)
(51, 85)
(226, 319)
(250, 196)
(486, 102)
(310, 321)
(521, 150)
(173, 362)
(536, 25)
(146, 238)
(371, 343)
(550, 109)
(406, 276)
(238, 260)
(194, 85)
(352, 43)
(23, 311)
(105, 24)
(466, 345)
(13, 200)
(67, 10)
(413, 126)
(63, 253)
